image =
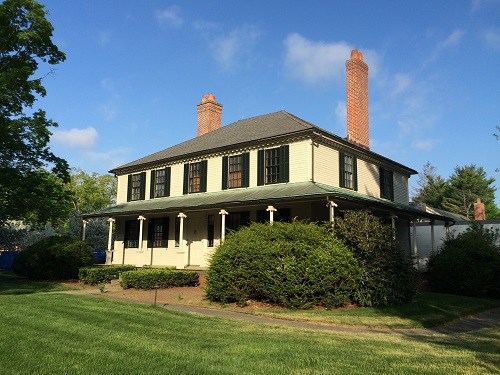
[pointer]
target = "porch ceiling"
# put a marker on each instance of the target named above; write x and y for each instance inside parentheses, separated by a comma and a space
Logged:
(263, 195)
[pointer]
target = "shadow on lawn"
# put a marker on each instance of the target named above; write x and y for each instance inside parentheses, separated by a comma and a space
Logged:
(11, 284)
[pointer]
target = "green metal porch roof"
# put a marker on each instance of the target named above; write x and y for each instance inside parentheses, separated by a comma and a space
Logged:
(262, 194)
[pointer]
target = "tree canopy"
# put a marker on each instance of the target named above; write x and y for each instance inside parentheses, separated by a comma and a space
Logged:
(31, 176)
(459, 192)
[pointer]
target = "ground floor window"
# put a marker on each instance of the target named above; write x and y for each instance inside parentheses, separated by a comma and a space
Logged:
(210, 230)
(131, 236)
(237, 219)
(177, 231)
(158, 232)
(282, 214)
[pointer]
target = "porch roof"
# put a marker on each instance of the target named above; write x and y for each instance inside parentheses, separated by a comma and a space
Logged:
(269, 194)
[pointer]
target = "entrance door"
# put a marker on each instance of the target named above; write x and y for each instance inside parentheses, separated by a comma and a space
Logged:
(196, 242)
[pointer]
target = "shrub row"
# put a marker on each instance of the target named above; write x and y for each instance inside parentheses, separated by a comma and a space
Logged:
(97, 275)
(158, 278)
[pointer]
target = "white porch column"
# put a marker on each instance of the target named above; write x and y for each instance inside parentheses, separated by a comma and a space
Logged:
(109, 251)
(271, 210)
(415, 249)
(84, 229)
(182, 255)
(393, 223)
(331, 207)
(433, 242)
(141, 228)
(447, 226)
(223, 214)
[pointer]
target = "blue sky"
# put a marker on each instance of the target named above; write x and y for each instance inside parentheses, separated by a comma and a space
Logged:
(135, 71)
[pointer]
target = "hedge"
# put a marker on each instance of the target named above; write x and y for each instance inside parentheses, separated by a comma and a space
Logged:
(158, 278)
(97, 275)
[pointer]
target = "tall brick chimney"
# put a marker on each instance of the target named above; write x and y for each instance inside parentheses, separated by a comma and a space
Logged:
(357, 100)
(209, 114)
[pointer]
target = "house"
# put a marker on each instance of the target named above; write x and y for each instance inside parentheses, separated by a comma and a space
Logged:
(174, 206)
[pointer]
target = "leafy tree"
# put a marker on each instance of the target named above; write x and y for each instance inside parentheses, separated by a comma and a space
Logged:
(432, 187)
(92, 192)
(28, 191)
(465, 185)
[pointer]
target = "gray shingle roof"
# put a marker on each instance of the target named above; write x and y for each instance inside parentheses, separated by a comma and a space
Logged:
(268, 126)
(245, 132)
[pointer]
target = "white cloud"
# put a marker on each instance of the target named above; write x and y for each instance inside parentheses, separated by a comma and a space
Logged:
(76, 138)
(492, 37)
(231, 49)
(314, 62)
(341, 114)
(424, 144)
(108, 112)
(170, 16)
(451, 41)
(401, 83)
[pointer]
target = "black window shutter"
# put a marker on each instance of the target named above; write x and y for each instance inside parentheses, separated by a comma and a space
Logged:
(129, 188)
(381, 182)
(143, 186)
(152, 187)
(342, 169)
(262, 216)
(225, 166)
(164, 233)
(245, 176)
(355, 173)
(126, 235)
(203, 181)
(151, 232)
(391, 189)
(260, 167)
(284, 163)
(185, 189)
(167, 181)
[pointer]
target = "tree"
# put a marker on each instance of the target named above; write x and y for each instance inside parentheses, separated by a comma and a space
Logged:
(92, 192)
(465, 185)
(432, 187)
(28, 191)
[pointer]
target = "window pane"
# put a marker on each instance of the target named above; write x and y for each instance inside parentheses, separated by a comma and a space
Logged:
(348, 172)
(235, 171)
(160, 183)
(136, 186)
(211, 230)
(195, 177)
(272, 163)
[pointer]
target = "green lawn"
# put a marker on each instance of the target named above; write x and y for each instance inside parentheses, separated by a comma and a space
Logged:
(12, 284)
(68, 334)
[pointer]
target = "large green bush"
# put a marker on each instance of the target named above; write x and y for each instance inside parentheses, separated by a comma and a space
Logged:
(102, 274)
(468, 263)
(53, 258)
(297, 265)
(387, 275)
(151, 278)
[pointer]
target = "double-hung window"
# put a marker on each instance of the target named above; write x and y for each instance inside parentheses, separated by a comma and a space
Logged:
(136, 186)
(235, 220)
(386, 184)
(348, 171)
(195, 177)
(131, 235)
(160, 183)
(158, 232)
(273, 165)
(235, 171)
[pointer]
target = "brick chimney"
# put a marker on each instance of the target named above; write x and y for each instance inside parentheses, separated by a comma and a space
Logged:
(209, 114)
(357, 100)
(479, 212)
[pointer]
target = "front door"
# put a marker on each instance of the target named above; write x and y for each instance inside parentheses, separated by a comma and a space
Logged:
(196, 241)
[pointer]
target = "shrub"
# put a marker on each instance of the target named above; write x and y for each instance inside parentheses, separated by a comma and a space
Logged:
(104, 274)
(53, 258)
(158, 278)
(468, 264)
(297, 265)
(387, 275)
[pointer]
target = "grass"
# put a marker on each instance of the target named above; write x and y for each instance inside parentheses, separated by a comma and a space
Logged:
(427, 310)
(12, 284)
(68, 334)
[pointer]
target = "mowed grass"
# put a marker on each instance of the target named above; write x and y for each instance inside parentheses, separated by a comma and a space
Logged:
(12, 284)
(426, 310)
(70, 334)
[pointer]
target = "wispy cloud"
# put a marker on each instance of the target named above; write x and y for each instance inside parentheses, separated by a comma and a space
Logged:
(108, 112)
(451, 41)
(170, 16)
(104, 38)
(492, 38)
(82, 139)
(236, 47)
(477, 5)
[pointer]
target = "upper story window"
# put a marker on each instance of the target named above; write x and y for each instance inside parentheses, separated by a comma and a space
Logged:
(386, 184)
(235, 171)
(195, 177)
(158, 232)
(136, 186)
(273, 165)
(160, 183)
(348, 171)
